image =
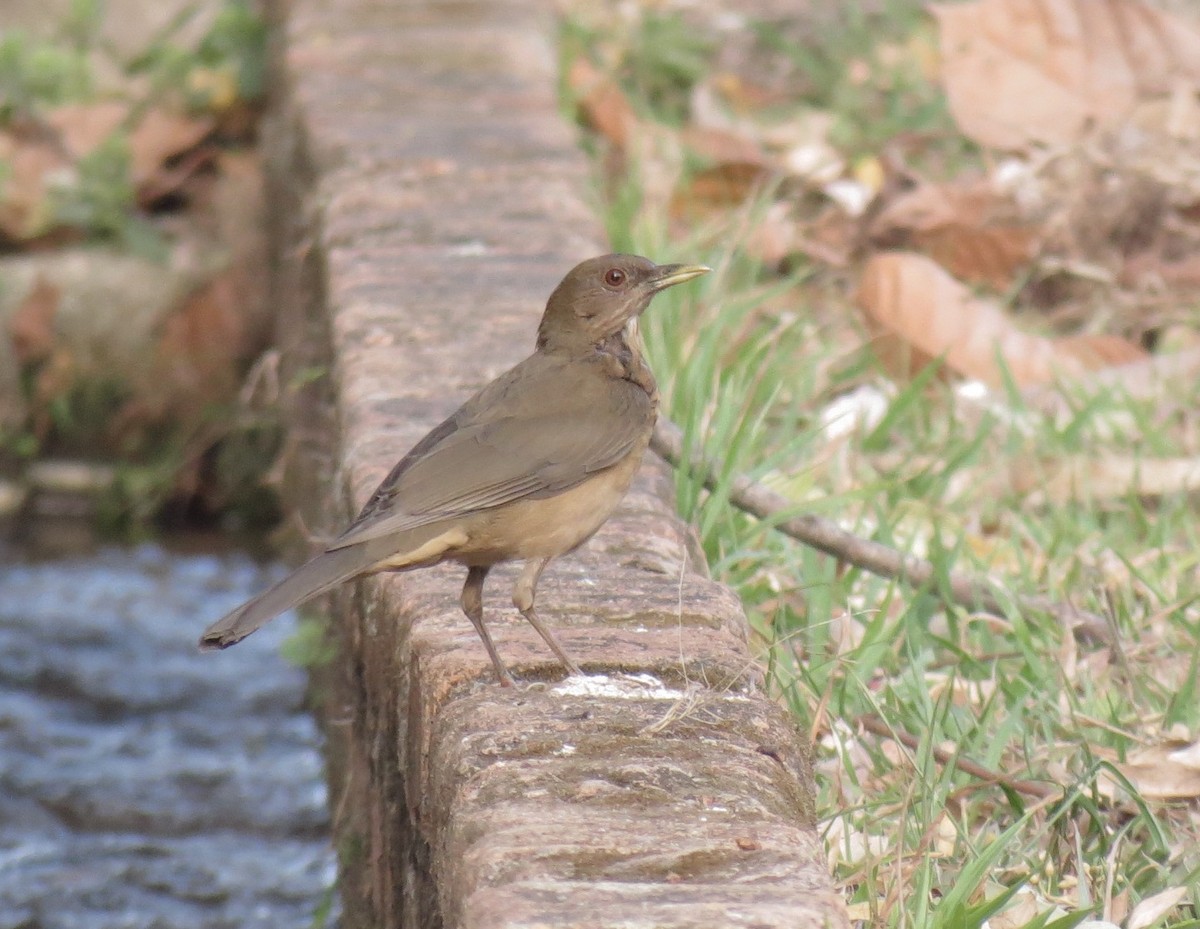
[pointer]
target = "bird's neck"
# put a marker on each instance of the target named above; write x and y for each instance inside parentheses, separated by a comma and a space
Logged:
(622, 354)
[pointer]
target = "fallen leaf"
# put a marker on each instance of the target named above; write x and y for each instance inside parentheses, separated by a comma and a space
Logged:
(1118, 908)
(159, 137)
(775, 236)
(1188, 756)
(1096, 351)
(966, 226)
(1152, 909)
(1160, 772)
(804, 147)
(846, 843)
(199, 355)
(1021, 72)
(1150, 267)
(234, 208)
(981, 255)
(164, 146)
(919, 313)
(744, 95)
(1025, 907)
(721, 145)
(717, 189)
(31, 327)
(833, 237)
(963, 692)
(171, 177)
(1109, 477)
(602, 104)
(25, 208)
(1147, 378)
(946, 837)
(82, 127)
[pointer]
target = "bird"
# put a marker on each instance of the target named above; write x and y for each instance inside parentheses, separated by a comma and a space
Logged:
(527, 469)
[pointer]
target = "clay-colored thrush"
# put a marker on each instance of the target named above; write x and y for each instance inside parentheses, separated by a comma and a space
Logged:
(528, 468)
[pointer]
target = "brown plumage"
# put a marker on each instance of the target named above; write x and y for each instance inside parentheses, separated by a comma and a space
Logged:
(527, 469)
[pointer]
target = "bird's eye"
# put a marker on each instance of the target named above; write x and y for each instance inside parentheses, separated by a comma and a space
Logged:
(614, 277)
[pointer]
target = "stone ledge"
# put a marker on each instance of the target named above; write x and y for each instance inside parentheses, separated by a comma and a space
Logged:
(427, 198)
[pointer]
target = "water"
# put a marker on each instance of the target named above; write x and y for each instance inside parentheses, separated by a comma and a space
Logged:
(142, 783)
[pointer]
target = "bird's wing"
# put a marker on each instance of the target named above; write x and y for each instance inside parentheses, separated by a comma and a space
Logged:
(508, 451)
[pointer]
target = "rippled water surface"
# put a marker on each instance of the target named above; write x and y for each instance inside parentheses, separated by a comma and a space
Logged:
(142, 783)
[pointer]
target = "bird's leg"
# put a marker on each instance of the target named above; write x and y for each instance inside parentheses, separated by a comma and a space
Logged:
(472, 605)
(524, 593)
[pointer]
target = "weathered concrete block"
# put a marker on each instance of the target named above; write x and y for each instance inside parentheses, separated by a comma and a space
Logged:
(427, 199)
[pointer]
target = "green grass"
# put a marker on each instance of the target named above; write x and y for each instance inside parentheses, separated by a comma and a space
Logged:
(749, 362)
(1012, 693)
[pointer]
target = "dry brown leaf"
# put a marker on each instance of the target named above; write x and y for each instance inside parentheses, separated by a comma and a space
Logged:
(25, 208)
(744, 95)
(965, 226)
(775, 236)
(721, 145)
(202, 345)
(82, 127)
(1108, 477)
(164, 147)
(1152, 909)
(1118, 906)
(602, 104)
(920, 312)
(1168, 771)
(172, 177)
(1027, 904)
(160, 136)
(717, 189)
(234, 210)
(963, 692)
(1147, 378)
(31, 327)
(1096, 350)
(833, 237)
(1019, 72)
(1151, 267)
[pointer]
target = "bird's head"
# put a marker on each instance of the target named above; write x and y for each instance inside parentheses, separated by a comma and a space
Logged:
(599, 297)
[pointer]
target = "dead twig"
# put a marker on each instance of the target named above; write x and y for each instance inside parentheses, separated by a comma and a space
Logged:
(880, 727)
(972, 592)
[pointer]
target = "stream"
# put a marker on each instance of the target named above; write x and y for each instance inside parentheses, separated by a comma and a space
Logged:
(142, 783)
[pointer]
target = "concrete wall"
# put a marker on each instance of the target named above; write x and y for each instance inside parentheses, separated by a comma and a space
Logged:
(427, 197)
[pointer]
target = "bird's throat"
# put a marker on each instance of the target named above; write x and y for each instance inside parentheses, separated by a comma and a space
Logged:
(623, 349)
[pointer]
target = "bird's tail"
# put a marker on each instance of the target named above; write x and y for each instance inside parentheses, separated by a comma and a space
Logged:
(315, 577)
